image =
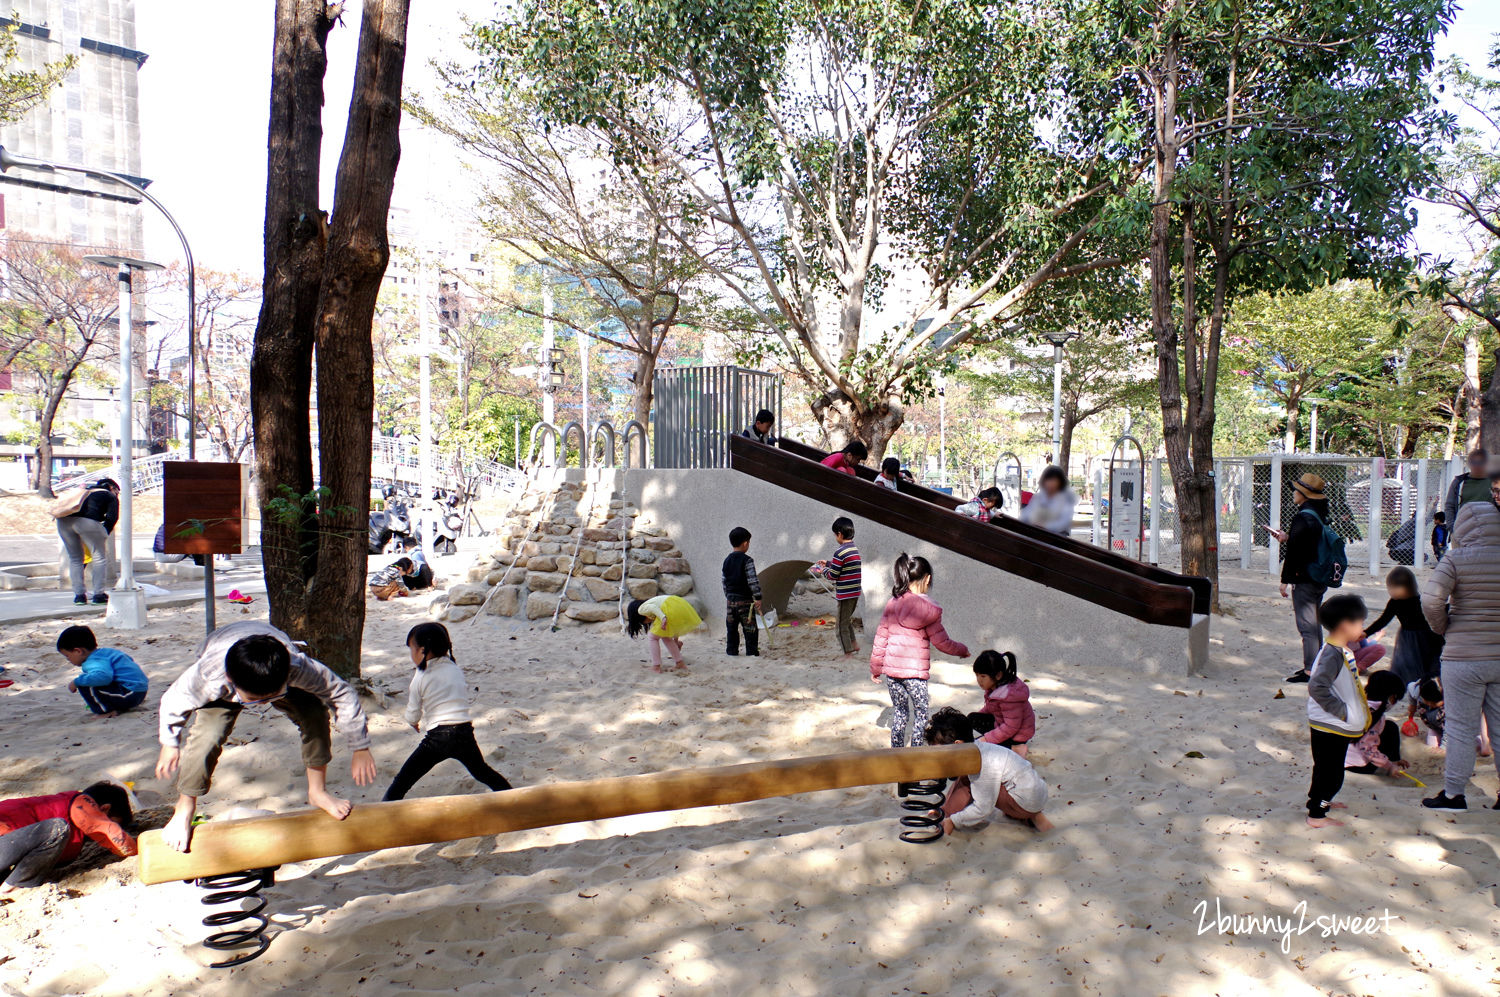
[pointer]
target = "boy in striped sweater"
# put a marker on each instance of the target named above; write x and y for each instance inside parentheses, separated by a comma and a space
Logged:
(843, 570)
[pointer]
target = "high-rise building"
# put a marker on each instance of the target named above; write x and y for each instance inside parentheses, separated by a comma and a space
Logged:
(92, 119)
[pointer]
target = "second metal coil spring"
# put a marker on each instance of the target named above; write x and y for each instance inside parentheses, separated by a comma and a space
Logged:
(924, 803)
(232, 888)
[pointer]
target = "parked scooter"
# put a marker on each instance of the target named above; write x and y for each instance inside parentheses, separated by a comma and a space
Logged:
(392, 526)
(449, 524)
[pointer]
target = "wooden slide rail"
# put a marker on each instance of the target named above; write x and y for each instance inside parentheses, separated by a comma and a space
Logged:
(1202, 587)
(1092, 580)
(260, 842)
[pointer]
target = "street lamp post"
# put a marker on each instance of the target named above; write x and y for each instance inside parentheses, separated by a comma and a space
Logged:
(127, 604)
(942, 390)
(1058, 340)
(9, 159)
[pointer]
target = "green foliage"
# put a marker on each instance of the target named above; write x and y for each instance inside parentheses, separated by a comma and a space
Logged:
(489, 430)
(1468, 181)
(21, 90)
(900, 179)
(1293, 346)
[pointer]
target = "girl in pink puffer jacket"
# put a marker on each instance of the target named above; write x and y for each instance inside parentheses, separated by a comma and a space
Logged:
(910, 627)
(1007, 717)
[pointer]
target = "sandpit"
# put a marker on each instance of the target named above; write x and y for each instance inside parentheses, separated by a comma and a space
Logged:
(806, 895)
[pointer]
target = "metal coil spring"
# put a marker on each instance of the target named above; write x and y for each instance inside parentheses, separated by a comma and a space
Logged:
(924, 801)
(232, 888)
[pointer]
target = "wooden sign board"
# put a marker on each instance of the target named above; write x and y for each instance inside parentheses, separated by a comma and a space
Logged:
(204, 507)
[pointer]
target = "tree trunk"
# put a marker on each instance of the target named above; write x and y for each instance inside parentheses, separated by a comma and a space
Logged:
(1293, 417)
(281, 358)
(1065, 442)
(320, 290)
(1490, 412)
(874, 425)
(353, 268)
(645, 388)
(41, 478)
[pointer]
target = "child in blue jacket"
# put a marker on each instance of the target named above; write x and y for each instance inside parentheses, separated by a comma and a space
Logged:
(111, 682)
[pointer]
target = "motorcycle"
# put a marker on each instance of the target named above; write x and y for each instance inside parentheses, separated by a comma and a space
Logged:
(393, 524)
(447, 526)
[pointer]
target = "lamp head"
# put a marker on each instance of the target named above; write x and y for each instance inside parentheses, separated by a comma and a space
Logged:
(117, 262)
(9, 159)
(1060, 337)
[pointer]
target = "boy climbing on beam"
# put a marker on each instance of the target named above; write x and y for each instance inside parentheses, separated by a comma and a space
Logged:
(254, 664)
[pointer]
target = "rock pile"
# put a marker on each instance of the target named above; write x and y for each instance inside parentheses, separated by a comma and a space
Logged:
(565, 554)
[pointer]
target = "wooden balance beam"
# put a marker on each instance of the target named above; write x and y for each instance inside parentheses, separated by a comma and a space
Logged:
(258, 842)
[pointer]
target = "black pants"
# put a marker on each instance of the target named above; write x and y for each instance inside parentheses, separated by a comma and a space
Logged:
(741, 616)
(455, 741)
(29, 853)
(1328, 770)
(110, 698)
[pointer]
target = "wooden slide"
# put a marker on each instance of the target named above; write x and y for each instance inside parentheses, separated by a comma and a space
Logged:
(259, 842)
(1143, 592)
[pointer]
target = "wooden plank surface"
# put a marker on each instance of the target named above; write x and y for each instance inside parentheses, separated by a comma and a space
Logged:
(1202, 588)
(203, 507)
(258, 842)
(1096, 581)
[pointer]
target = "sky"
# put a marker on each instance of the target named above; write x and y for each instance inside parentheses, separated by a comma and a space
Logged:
(205, 105)
(204, 98)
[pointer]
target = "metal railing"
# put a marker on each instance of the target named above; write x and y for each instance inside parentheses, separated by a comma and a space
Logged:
(391, 460)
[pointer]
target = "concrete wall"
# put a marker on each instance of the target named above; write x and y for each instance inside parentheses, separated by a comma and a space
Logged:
(983, 607)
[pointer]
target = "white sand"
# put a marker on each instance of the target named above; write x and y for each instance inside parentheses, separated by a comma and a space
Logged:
(808, 895)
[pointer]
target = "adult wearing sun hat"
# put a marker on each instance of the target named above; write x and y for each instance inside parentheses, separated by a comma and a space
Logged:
(1299, 550)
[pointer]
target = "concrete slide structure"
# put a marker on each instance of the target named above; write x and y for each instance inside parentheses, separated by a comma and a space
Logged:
(1051, 604)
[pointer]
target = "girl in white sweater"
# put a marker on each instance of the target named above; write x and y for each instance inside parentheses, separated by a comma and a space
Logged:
(439, 698)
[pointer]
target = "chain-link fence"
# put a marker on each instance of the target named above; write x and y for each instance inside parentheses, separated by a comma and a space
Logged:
(1381, 508)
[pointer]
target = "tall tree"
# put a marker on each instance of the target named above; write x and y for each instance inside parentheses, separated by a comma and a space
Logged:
(1292, 346)
(322, 279)
(1105, 369)
(605, 235)
(60, 315)
(1469, 183)
(1286, 138)
(900, 178)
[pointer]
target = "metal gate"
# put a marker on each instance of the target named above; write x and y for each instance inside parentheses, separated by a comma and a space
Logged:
(696, 408)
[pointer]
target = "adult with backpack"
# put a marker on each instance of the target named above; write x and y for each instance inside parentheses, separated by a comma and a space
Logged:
(85, 519)
(1312, 562)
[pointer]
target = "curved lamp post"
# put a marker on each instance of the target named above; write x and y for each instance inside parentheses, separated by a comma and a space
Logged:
(9, 159)
(127, 604)
(1058, 339)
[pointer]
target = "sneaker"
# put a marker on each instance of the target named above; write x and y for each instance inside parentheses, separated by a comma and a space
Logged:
(1450, 804)
(80, 600)
(1298, 677)
(1497, 804)
(101, 598)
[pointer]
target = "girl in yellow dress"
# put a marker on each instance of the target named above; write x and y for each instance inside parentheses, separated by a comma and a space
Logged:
(665, 619)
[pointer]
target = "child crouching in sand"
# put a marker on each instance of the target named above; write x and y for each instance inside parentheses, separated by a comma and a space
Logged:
(1007, 717)
(666, 619)
(1380, 748)
(1337, 712)
(1006, 782)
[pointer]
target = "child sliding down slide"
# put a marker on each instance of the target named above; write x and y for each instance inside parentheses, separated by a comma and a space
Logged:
(254, 664)
(669, 618)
